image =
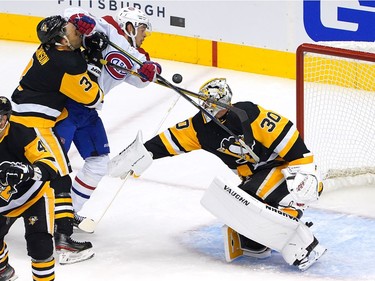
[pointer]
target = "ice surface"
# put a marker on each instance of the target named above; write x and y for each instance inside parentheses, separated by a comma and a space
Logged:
(156, 228)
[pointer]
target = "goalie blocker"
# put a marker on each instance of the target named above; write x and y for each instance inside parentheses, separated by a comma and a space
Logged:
(263, 223)
(133, 159)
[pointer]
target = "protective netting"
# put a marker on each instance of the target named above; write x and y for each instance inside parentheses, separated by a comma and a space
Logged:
(339, 109)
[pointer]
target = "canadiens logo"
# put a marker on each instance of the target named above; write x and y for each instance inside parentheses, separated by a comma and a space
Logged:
(120, 60)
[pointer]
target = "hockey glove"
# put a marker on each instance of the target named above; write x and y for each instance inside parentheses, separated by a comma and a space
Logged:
(13, 173)
(303, 183)
(96, 42)
(149, 70)
(94, 65)
(84, 23)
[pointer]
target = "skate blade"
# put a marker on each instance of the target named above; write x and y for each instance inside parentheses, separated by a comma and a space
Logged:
(317, 255)
(67, 257)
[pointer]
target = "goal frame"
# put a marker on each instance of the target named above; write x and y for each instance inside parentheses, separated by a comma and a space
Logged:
(318, 49)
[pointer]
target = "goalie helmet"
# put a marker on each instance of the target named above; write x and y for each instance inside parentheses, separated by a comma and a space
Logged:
(50, 30)
(134, 16)
(218, 90)
(5, 107)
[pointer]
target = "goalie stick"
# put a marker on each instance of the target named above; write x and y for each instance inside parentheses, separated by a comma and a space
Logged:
(89, 225)
(242, 115)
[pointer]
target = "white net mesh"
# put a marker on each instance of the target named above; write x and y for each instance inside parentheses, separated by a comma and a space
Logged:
(339, 110)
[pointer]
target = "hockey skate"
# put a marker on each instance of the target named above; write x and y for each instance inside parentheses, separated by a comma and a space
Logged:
(83, 223)
(235, 248)
(71, 251)
(8, 273)
(313, 256)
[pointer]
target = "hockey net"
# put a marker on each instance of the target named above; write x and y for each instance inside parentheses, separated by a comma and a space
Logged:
(336, 108)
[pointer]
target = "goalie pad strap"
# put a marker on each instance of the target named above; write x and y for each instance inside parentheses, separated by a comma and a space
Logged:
(257, 221)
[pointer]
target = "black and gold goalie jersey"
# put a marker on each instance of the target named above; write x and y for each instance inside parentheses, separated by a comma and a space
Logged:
(271, 136)
(21, 144)
(51, 77)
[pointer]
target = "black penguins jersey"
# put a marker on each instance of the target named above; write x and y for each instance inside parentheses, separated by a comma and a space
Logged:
(271, 136)
(51, 77)
(21, 144)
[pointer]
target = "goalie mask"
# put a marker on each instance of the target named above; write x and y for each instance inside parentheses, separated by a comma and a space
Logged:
(51, 30)
(218, 90)
(137, 18)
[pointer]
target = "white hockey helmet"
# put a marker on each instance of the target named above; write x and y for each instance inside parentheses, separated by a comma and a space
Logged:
(134, 16)
(217, 89)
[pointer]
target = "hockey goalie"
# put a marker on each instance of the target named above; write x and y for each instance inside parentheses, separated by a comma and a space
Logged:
(264, 212)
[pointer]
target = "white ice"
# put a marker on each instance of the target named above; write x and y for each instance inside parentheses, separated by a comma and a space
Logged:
(156, 228)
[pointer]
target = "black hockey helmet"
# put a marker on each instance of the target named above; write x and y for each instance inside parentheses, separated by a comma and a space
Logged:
(5, 107)
(50, 30)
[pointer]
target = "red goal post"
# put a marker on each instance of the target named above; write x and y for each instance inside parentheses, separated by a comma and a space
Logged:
(336, 106)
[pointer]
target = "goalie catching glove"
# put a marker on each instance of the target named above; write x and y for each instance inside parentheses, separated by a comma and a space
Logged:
(303, 183)
(133, 159)
(13, 173)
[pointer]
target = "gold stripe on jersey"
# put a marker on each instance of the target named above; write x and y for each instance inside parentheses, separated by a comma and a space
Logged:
(74, 85)
(271, 182)
(167, 143)
(30, 121)
(186, 135)
(22, 203)
(268, 121)
(53, 145)
(64, 114)
(28, 66)
(244, 171)
(289, 140)
(306, 160)
(36, 150)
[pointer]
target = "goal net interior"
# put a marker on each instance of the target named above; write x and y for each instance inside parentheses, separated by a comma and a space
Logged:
(336, 108)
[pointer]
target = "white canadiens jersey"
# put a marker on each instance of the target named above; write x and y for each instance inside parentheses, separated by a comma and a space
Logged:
(111, 77)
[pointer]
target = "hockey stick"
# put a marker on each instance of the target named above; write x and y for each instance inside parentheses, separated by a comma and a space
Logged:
(185, 94)
(166, 115)
(238, 111)
(124, 179)
(91, 225)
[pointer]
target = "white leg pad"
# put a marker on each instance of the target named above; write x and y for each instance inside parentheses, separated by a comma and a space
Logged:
(257, 221)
